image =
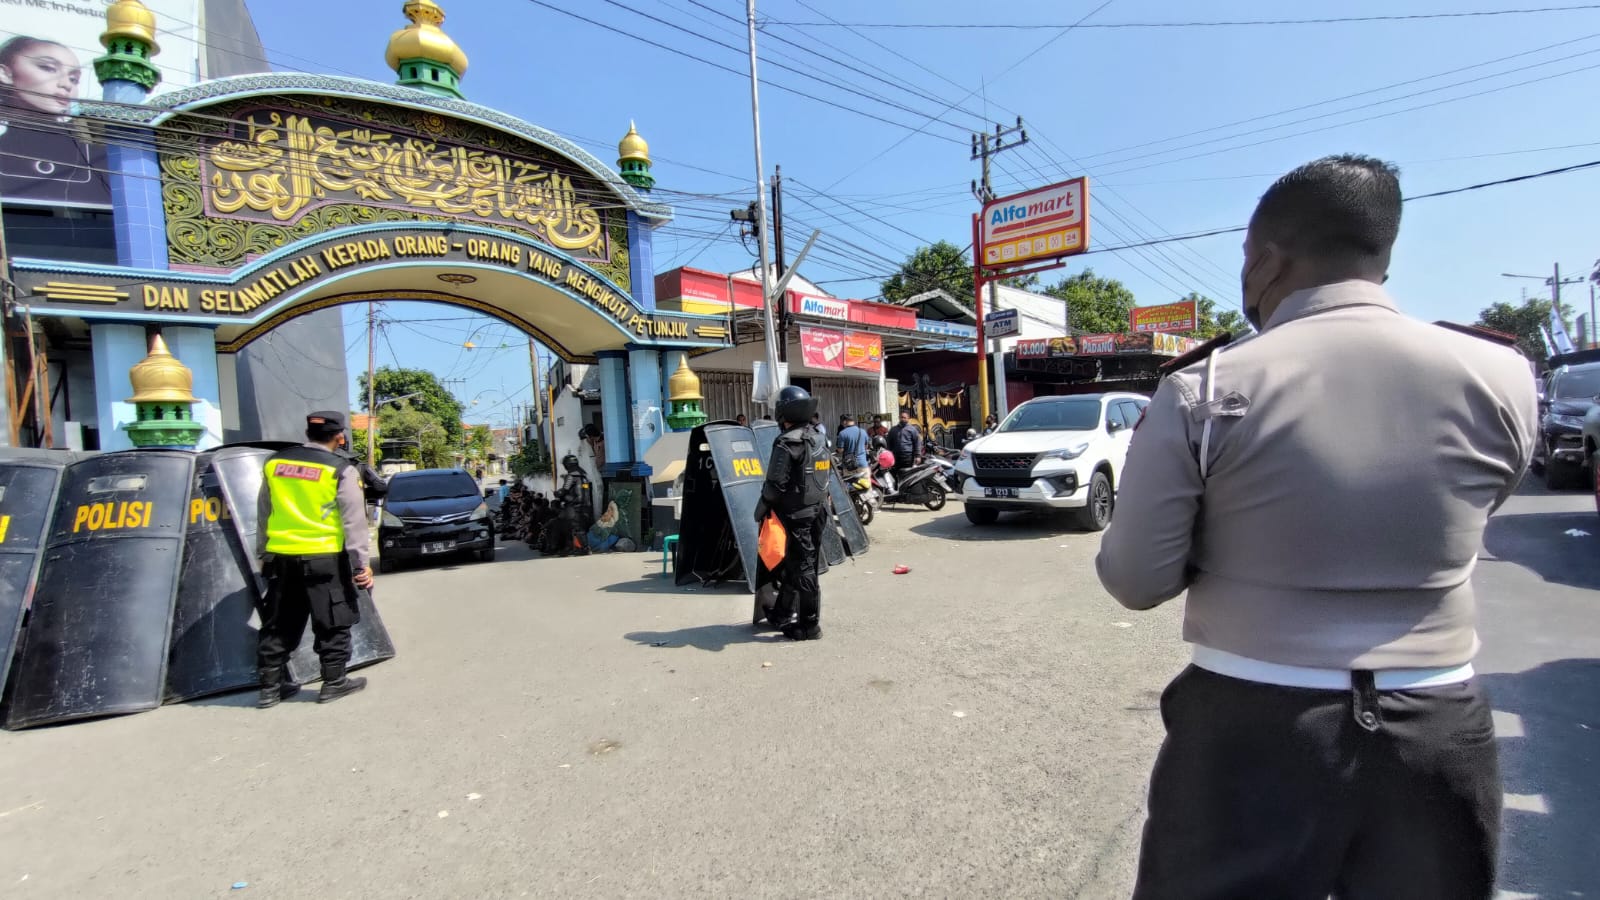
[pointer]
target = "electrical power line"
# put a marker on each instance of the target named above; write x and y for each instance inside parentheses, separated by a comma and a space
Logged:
(1231, 23)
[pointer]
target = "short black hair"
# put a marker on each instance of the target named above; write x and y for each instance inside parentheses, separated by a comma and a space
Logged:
(1340, 206)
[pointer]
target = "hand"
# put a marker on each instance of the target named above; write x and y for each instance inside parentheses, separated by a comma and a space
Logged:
(761, 510)
(363, 578)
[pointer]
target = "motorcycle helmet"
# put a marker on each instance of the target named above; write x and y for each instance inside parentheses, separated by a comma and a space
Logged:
(795, 405)
(570, 462)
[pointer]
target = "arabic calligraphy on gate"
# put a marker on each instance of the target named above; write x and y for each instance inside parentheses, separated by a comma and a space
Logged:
(284, 164)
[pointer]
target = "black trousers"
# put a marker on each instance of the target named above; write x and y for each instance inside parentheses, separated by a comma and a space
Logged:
(298, 587)
(800, 579)
(1262, 791)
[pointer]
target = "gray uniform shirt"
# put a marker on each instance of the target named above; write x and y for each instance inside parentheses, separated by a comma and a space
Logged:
(1355, 457)
(352, 513)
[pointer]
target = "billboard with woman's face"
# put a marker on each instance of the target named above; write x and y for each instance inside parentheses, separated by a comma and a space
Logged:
(50, 154)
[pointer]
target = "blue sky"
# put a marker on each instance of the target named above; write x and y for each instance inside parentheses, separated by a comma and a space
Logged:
(1094, 101)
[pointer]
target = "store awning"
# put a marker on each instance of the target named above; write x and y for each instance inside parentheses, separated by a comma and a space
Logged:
(749, 327)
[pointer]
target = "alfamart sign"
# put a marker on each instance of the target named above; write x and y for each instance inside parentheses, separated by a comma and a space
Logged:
(1035, 226)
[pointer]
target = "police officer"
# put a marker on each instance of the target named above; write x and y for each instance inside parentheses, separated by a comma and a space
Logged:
(373, 486)
(315, 553)
(577, 508)
(796, 488)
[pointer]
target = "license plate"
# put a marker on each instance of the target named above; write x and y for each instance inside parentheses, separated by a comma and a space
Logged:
(1000, 492)
(439, 547)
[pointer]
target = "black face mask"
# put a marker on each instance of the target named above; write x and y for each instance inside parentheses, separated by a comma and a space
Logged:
(1252, 314)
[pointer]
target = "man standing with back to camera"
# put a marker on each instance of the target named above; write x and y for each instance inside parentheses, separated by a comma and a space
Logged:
(796, 489)
(316, 555)
(1321, 491)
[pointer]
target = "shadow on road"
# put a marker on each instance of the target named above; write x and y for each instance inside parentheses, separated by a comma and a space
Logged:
(1021, 526)
(656, 583)
(1539, 542)
(704, 637)
(1550, 850)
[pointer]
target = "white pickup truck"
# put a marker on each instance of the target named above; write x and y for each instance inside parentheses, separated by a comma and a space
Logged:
(1051, 453)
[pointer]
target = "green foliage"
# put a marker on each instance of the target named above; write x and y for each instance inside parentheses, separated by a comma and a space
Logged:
(423, 438)
(431, 397)
(1525, 322)
(480, 442)
(530, 459)
(1210, 321)
(358, 446)
(941, 266)
(1094, 305)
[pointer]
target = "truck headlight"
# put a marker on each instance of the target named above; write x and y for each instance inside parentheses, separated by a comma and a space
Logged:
(1073, 452)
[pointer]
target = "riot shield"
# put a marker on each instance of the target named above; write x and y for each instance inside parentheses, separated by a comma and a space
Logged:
(28, 487)
(97, 636)
(369, 643)
(239, 471)
(844, 525)
(721, 486)
(213, 624)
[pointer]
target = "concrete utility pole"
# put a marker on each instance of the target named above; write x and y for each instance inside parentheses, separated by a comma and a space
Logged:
(774, 381)
(983, 150)
(777, 246)
(372, 367)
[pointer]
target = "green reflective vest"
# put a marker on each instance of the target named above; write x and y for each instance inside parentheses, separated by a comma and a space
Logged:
(303, 483)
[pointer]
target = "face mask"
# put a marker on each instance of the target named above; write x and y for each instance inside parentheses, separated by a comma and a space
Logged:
(1252, 312)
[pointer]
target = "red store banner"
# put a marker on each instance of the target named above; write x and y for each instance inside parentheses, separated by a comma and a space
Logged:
(863, 351)
(821, 348)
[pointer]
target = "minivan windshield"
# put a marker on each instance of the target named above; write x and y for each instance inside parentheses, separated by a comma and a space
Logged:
(1578, 385)
(1076, 414)
(431, 486)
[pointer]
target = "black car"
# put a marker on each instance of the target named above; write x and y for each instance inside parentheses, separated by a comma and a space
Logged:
(1569, 393)
(434, 512)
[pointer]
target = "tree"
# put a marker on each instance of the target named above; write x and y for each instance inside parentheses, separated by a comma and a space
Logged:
(1526, 323)
(1210, 322)
(431, 397)
(530, 460)
(480, 442)
(1095, 305)
(358, 445)
(940, 266)
(424, 438)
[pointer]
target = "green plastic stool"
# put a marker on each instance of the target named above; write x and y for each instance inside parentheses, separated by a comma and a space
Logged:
(667, 543)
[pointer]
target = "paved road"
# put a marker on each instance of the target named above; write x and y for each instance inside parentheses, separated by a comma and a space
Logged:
(980, 727)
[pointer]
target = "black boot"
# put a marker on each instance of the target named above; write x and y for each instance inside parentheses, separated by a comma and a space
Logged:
(274, 688)
(333, 690)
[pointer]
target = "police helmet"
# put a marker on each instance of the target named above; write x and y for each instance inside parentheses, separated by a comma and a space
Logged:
(795, 405)
(570, 462)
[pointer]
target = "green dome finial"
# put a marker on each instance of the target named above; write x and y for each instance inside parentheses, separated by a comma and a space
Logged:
(130, 42)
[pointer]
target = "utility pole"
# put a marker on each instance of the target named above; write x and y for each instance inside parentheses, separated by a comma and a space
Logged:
(777, 246)
(372, 366)
(774, 384)
(986, 147)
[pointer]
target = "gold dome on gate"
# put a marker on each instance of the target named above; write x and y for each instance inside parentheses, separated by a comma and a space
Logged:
(684, 383)
(160, 378)
(130, 19)
(633, 147)
(424, 39)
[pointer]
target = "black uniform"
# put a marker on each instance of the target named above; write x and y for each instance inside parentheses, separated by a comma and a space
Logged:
(566, 533)
(373, 486)
(796, 489)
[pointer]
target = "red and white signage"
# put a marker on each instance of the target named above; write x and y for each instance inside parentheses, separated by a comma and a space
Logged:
(1035, 226)
(821, 348)
(823, 307)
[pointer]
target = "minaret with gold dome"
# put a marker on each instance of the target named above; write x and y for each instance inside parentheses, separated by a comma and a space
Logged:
(683, 395)
(163, 400)
(424, 56)
(633, 160)
(130, 41)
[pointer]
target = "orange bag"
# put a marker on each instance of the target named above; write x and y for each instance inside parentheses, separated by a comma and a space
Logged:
(773, 541)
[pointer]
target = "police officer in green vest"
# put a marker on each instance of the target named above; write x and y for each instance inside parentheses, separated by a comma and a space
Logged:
(315, 553)
(796, 488)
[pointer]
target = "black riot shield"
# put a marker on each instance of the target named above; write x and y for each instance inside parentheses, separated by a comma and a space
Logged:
(213, 625)
(721, 486)
(97, 636)
(239, 473)
(845, 525)
(28, 486)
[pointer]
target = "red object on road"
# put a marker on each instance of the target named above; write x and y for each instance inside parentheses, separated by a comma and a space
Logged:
(901, 570)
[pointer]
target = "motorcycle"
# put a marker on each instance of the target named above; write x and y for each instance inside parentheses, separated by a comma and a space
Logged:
(921, 484)
(946, 461)
(863, 496)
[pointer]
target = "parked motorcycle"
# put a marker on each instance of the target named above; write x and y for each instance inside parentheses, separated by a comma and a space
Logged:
(946, 461)
(863, 496)
(922, 484)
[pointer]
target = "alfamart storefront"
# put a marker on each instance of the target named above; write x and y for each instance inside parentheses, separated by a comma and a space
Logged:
(242, 203)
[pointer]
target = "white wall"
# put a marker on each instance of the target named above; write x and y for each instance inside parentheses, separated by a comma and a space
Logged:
(1039, 315)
